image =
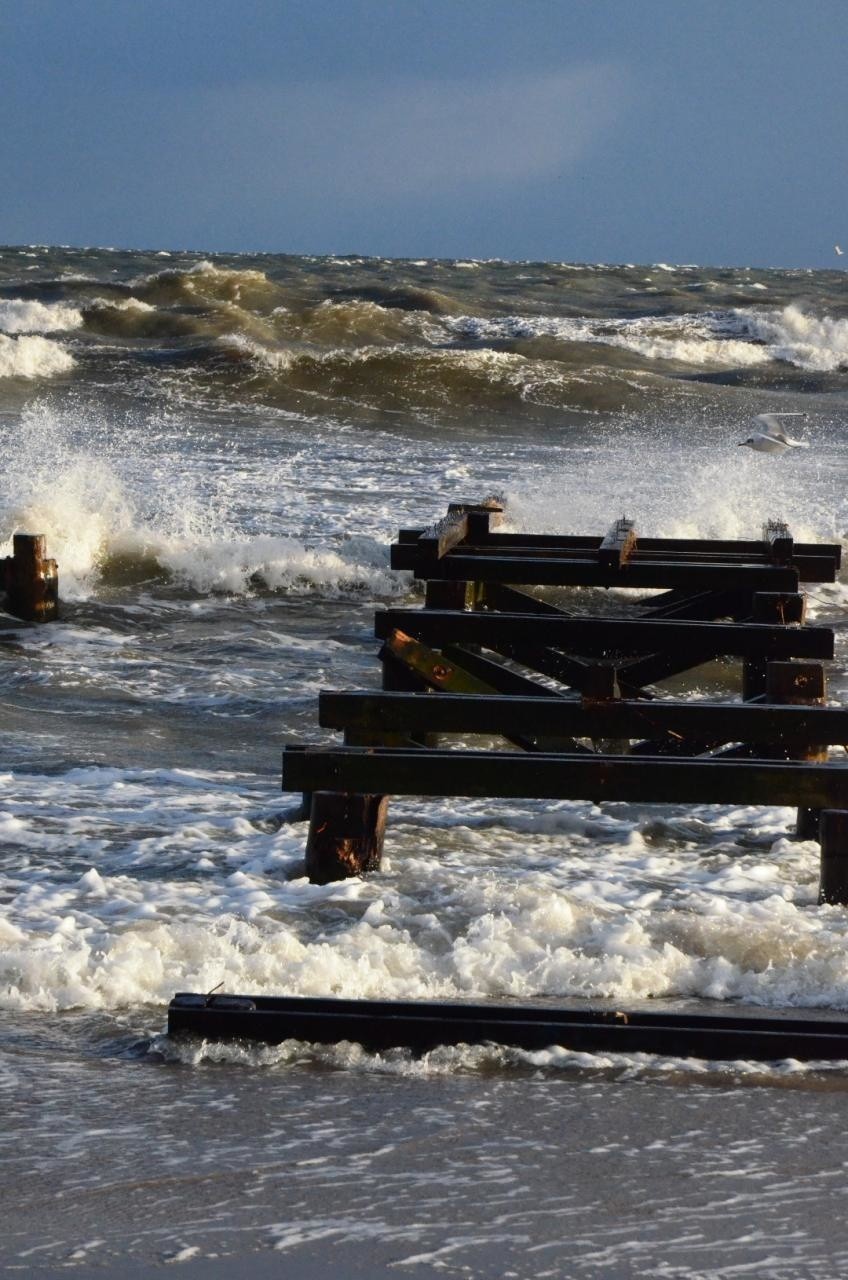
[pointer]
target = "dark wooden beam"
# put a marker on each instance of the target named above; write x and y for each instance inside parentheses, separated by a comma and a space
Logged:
(442, 674)
(421, 1025)
(588, 573)
(565, 777)
(789, 726)
(706, 606)
(504, 680)
(601, 636)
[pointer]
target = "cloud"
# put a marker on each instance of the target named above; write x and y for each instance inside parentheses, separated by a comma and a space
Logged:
(372, 141)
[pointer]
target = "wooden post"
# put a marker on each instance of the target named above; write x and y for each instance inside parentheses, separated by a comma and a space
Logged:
(770, 607)
(833, 834)
(799, 683)
(31, 580)
(345, 835)
(780, 606)
(443, 593)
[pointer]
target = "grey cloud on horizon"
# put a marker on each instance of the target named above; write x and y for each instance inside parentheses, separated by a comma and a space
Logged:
(395, 162)
(405, 138)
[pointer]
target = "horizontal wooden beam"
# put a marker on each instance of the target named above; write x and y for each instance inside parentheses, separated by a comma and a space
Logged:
(421, 1025)
(588, 573)
(651, 779)
(599, 636)
(743, 547)
(497, 714)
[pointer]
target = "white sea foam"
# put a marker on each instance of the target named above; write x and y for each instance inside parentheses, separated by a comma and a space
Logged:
(32, 357)
(600, 904)
(818, 343)
(19, 315)
(690, 339)
(275, 359)
(699, 486)
(75, 481)
(448, 1060)
(121, 304)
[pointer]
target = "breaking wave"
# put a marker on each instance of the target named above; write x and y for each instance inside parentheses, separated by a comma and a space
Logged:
(818, 343)
(22, 315)
(32, 357)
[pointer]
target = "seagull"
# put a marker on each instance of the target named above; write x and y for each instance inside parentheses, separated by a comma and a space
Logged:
(773, 440)
(839, 252)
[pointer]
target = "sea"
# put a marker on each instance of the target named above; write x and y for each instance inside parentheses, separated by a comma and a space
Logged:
(219, 450)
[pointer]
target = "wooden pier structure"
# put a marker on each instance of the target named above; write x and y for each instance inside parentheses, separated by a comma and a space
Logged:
(577, 695)
(572, 697)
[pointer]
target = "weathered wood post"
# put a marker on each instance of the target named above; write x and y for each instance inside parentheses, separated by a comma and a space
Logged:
(31, 580)
(833, 834)
(346, 834)
(804, 684)
(771, 607)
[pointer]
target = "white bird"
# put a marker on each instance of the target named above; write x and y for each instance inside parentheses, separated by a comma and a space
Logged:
(773, 440)
(839, 252)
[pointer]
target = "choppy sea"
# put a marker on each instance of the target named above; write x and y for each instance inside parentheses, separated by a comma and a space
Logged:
(219, 451)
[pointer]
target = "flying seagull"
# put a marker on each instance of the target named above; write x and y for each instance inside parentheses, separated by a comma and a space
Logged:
(773, 439)
(839, 252)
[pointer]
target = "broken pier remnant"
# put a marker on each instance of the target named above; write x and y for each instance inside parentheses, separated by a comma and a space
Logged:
(489, 655)
(31, 580)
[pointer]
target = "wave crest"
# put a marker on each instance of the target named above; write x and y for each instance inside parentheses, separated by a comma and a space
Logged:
(22, 315)
(32, 357)
(816, 343)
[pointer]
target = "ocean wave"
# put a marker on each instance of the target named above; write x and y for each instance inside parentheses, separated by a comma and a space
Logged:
(112, 519)
(205, 282)
(698, 340)
(242, 566)
(402, 298)
(413, 377)
(352, 322)
(32, 357)
(21, 315)
(795, 336)
(133, 318)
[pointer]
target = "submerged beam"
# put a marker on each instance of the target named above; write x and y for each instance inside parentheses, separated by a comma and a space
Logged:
(423, 1025)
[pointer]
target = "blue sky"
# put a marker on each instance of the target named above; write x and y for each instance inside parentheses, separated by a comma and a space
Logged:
(709, 131)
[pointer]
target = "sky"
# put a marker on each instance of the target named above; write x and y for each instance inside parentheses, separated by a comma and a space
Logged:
(679, 131)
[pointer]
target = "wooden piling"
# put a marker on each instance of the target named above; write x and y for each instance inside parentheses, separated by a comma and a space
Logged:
(345, 835)
(770, 607)
(833, 834)
(31, 580)
(799, 684)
